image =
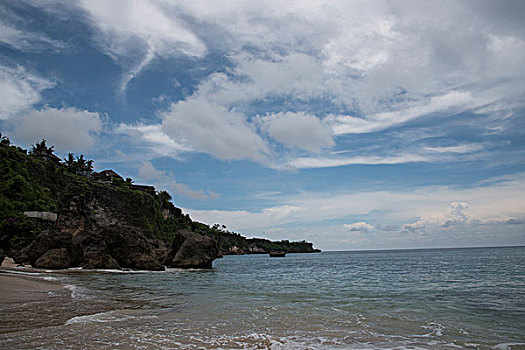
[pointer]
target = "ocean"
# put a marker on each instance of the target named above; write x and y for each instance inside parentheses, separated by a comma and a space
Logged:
(401, 299)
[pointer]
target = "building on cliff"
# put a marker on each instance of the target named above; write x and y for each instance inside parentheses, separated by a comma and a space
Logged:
(144, 188)
(50, 157)
(42, 215)
(107, 176)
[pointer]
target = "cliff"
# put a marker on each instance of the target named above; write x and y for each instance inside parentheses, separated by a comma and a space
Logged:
(102, 224)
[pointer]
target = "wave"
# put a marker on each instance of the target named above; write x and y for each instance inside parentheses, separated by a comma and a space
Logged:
(107, 316)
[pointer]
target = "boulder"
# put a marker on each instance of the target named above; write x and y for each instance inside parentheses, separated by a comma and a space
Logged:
(96, 257)
(191, 250)
(130, 248)
(143, 261)
(117, 246)
(51, 240)
(57, 258)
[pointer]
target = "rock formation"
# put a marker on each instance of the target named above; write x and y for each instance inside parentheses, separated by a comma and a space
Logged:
(102, 225)
(192, 250)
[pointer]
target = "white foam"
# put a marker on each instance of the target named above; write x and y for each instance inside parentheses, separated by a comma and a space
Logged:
(76, 292)
(104, 317)
(116, 271)
(27, 273)
(436, 330)
(506, 346)
(49, 278)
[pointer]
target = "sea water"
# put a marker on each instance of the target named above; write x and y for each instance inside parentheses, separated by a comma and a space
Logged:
(402, 299)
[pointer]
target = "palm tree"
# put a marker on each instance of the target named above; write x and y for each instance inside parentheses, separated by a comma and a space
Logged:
(70, 161)
(89, 166)
(80, 165)
(41, 148)
(4, 140)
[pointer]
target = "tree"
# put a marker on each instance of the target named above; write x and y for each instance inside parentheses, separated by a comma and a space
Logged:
(4, 140)
(70, 161)
(80, 166)
(89, 166)
(41, 148)
(164, 199)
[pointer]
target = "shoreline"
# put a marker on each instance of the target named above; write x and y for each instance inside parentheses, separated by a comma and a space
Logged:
(32, 301)
(22, 288)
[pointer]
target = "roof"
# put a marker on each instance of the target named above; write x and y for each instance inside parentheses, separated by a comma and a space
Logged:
(52, 156)
(109, 173)
(48, 155)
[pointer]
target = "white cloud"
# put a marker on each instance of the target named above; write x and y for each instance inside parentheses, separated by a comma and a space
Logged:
(464, 148)
(19, 90)
(373, 66)
(413, 209)
(148, 172)
(455, 214)
(28, 41)
(359, 226)
(321, 162)
(68, 129)
(166, 181)
(147, 28)
(297, 130)
(213, 129)
(450, 103)
(152, 137)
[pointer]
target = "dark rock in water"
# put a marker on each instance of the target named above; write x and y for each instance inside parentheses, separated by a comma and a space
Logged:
(192, 250)
(57, 258)
(277, 254)
(130, 248)
(117, 246)
(97, 258)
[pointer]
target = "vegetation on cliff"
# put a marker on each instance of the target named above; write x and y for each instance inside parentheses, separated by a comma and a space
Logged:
(40, 182)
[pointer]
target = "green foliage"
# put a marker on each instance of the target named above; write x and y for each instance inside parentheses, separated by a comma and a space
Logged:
(42, 148)
(80, 165)
(20, 230)
(4, 140)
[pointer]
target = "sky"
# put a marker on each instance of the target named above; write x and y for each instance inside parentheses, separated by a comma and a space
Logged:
(350, 124)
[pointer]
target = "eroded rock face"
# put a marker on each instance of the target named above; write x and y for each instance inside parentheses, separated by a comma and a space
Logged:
(97, 258)
(103, 242)
(191, 250)
(57, 258)
(53, 241)
(91, 234)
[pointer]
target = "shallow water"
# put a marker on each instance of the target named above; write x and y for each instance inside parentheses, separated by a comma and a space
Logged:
(447, 298)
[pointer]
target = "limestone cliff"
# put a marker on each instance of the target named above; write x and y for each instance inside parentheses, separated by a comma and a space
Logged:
(101, 224)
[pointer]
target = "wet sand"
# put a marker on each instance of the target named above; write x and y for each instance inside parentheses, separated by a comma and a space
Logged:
(28, 302)
(22, 289)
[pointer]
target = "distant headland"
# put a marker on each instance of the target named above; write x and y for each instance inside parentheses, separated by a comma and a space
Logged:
(57, 214)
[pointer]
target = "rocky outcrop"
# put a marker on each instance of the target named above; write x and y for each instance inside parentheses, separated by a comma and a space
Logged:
(2, 256)
(192, 250)
(105, 226)
(57, 258)
(52, 241)
(118, 246)
(103, 242)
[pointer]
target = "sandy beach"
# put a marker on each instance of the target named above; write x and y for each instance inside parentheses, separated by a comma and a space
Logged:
(31, 301)
(22, 289)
